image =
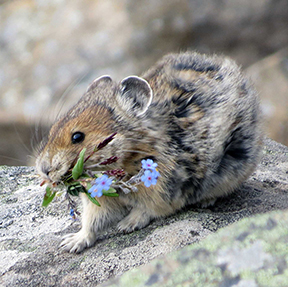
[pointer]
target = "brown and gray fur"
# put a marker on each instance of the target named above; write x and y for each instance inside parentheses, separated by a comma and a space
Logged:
(195, 115)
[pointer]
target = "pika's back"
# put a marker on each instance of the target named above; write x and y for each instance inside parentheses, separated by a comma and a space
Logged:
(203, 92)
(194, 73)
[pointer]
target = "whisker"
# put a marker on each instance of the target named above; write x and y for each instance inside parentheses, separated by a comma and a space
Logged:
(37, 150)
(31, 156)
(61, 101)
(37, 141)
(13, 158)
(20, 139)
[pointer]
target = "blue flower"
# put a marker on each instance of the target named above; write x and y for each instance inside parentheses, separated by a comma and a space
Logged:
(73, 215)
(94, 191)
(149, 164)
(150, 177)
(101, 183)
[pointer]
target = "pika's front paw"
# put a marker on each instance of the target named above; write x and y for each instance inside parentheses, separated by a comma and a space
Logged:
(76, 242)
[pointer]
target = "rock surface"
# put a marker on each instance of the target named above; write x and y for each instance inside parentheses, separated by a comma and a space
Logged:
(30, 234)
(250, 253)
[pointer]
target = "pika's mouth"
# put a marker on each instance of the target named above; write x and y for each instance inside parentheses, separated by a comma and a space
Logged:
(49, 182)
(53, 177)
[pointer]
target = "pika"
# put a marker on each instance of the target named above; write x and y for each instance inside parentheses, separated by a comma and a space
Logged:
(195, 115)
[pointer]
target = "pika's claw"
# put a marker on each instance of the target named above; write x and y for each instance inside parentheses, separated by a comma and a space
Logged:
(76, 242)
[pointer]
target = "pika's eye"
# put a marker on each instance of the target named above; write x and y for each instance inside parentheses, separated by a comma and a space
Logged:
(77, 137)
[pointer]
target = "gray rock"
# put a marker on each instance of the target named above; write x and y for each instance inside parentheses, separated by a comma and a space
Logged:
(30, 234)
(270, 76)
(249, 253)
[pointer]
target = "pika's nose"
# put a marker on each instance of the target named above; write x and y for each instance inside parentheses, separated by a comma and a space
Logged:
(45, 168)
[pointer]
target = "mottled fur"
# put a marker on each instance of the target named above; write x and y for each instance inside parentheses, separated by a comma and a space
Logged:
(202, 127)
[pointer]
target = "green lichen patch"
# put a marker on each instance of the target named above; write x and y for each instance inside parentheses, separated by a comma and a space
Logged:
(253, 250)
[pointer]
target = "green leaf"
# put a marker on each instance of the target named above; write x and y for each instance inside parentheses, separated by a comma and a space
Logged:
(111, 194)
(72, 190)
(111, 190)
(92, 199)
(89, 185)
(48, 197)
(78, 167)
(98, 175)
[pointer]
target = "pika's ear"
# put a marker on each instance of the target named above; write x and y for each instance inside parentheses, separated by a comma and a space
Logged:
(100, 82)
(135, 95)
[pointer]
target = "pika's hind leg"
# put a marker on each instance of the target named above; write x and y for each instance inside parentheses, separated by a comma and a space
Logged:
(154, 206)
(138, 218)
(94, 219)
(241, 156)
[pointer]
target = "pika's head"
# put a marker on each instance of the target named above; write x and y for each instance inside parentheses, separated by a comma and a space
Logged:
(105, 108)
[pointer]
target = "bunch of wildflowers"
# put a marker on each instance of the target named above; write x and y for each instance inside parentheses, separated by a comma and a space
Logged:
(97, 184)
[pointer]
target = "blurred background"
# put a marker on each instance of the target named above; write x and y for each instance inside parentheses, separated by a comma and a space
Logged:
(51, 50)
